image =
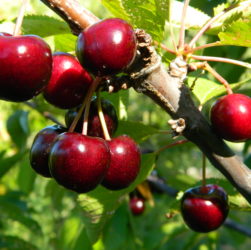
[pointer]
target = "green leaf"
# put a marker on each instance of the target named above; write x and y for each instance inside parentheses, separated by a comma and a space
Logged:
(7, 163)
(15, 243)
(99, 205)
(238, 34)
(65, 42)
(18, 128)
(238, 202)
(44, 26)
(137, 130)
(205, 89)
(149, 15)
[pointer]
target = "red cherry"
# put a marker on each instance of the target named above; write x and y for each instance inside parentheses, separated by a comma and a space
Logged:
(231, 117)
(107, 47)
(25, 63)
(40, 149)
(137, 205)
(79, 162)
(124, 165)
(69, 82)
(204, 208)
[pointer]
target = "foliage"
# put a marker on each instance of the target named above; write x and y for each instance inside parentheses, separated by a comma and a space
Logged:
(36, 213)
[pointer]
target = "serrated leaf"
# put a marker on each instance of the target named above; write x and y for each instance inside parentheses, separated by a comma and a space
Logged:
(149, 15)
(44, 26)
(18, 128)
(99, 205)
(137, 130)
(64, 42)
(205, 89)
(238, 34)
(238, 202)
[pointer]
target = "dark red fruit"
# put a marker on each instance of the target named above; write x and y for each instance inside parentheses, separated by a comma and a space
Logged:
(137, 205)
(40, 149)
(231, 117)
(69, 82)
(25, 67)
(125, 163)
(79, 162)
(94, 124)
(107, 47)
(204, 208)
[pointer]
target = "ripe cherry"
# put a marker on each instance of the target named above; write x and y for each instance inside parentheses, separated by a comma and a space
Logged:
(69, 82)
(25, 63)
(137, 205)
(79, 162)
(125, 163)
(231, 117)
(40, 149)
(107, 47)
(204, 208)
(94, 124)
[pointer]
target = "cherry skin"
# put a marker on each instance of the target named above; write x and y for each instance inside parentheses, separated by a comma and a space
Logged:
(94, 124)
(79, 162)
(40, 149)
(137, 205)
(204, 208)
(125, 163)
(69, 82)
(231, 117)
(25, 63)
(106, 47)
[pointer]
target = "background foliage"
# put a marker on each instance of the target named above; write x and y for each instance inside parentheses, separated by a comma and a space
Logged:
(36, 213)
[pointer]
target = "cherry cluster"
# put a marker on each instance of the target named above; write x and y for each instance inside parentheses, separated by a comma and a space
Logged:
(77, 160)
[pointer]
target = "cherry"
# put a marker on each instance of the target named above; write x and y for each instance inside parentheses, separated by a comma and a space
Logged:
(124, 165)
(107, 47)
(94, 124)
(69, 82)
(204, 208)
(137, 205)
(231, 117)
(25, 63)
(79, 162)
(40, 149)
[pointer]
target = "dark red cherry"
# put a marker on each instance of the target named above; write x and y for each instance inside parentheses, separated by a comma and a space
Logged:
(40, 149)
(231, 117)
(94, 124)
(137, 205)
(69, 82)
(125, 163)
(25, 67)
(79, 162)
(107, 47)
(204, 208)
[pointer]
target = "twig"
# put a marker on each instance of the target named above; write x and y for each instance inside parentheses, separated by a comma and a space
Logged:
(237, 227)
(204, 46)
(45, 114)
(171, 145)
(182, 26)
(221, 59)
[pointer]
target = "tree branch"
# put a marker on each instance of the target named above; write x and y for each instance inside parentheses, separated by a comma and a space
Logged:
(166, 88)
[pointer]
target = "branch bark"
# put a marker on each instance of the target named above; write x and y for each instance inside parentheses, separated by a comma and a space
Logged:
(167, 89)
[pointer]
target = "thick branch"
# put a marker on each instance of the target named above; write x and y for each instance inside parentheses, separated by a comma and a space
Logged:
(167, 89)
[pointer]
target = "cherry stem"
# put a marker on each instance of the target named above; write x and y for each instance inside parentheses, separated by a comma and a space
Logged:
(165, 48)
(204, 46)
(171, 145)
(17, 29)
(182, 27)
(95, 84)
(209, 23)
(203, 169)
(87, 98)
(219, 78)
(102, 118)
(221, 59)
